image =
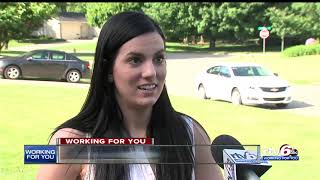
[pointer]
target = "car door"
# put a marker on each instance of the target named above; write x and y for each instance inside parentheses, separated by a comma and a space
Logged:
(225, 83)
(57, 64)
(35, 64)
(211, 81)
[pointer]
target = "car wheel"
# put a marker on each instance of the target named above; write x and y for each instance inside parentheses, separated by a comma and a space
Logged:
(73, 76)
(236, 97)
(202, 92)
(281, 105)
(12, 72)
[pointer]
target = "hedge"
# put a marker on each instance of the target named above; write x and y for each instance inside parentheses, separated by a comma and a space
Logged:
(302, 50)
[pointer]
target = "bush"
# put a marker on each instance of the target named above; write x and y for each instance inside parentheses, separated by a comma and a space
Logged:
(302, 50)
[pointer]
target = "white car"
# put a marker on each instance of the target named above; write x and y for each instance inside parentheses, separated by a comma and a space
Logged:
(243, 83)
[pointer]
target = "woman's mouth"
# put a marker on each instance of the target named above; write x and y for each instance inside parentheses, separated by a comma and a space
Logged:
(147, 87)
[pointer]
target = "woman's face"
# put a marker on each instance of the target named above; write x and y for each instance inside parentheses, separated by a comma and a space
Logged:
(139, 71)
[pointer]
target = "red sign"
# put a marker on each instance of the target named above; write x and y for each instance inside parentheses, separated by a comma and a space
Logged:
(264, 33)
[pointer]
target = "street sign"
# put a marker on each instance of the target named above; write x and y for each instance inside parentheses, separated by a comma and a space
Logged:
(264, 33)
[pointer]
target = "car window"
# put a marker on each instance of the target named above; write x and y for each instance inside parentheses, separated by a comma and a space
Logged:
(262, 71)
(224, 71)
(57, 56)
(214, 70)
(40, 56)
(250, 71)
(71, 57)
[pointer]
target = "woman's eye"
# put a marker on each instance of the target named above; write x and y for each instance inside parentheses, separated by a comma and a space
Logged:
(135, 60)
(160, 60)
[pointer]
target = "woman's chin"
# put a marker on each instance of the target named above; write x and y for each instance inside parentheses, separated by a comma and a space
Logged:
(146, 102)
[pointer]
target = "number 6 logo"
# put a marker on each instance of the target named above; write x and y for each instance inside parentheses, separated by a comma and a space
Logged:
(285, 150)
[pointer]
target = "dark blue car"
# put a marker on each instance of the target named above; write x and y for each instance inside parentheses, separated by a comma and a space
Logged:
(49, 64)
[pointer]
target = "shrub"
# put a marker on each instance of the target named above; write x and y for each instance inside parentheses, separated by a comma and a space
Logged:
(302, 50)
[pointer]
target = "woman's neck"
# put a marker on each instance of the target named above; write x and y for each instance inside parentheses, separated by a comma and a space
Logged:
(136, 121)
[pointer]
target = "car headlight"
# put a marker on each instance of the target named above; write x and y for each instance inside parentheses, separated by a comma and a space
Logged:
(1, 63)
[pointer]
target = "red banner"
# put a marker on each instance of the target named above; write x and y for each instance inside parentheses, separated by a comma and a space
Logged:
(93, 141)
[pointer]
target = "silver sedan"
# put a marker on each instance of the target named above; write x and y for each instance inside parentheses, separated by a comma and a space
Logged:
(243, 83)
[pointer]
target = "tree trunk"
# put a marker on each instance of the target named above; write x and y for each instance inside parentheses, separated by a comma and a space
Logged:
(185, 40)
(193, 39)
(6, 44)
(1, 46)
(282, 43)
(212, 44)
(201, 40)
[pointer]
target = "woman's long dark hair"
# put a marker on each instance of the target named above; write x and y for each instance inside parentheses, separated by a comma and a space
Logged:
(101, 116)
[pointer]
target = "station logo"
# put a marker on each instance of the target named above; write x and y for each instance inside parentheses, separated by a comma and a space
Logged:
(286, 153)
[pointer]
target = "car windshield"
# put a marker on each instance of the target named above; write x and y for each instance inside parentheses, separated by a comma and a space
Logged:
(250, 71)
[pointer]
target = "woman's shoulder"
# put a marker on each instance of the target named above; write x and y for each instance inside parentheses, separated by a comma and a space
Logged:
(67, 133)
(190, 120)
(200, 134)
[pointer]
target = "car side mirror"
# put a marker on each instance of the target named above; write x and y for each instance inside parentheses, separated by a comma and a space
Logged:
(276, 74)
(29, 58)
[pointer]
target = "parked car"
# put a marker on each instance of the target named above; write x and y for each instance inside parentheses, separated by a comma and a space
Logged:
(45, 64)
(243, 83)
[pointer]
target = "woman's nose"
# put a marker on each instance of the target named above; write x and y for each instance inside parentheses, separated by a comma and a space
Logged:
(149, 69)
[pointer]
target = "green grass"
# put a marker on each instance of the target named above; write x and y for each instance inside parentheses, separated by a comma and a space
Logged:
(81, 47)
(27, 42)
(266, 127)
(15, 43)
(298, 70)
(30, 112)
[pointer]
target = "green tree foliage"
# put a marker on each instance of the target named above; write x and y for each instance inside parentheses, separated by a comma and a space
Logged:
(208, 22)
(284, 22)
(18, 20)
(98, 13)
(77, 7)
(308, 16)
(61, 6)
(295, 19)
(176, 19)
(242, 19)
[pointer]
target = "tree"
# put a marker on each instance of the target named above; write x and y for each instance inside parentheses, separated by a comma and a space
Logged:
(18, 20)
(77, 7)
(176, 19)
(308, 17)
(295, 19)
(61, 6)
(284, 22)
(98, 13)
(208, 22)
(242, 19)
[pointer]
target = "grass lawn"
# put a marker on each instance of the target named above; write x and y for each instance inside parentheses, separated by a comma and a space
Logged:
(15, 43)
(30, 112)
(298, 70)
(27, 42)
(81, 47)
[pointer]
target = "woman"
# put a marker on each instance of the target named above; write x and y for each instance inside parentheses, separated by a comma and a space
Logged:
(128, 98)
